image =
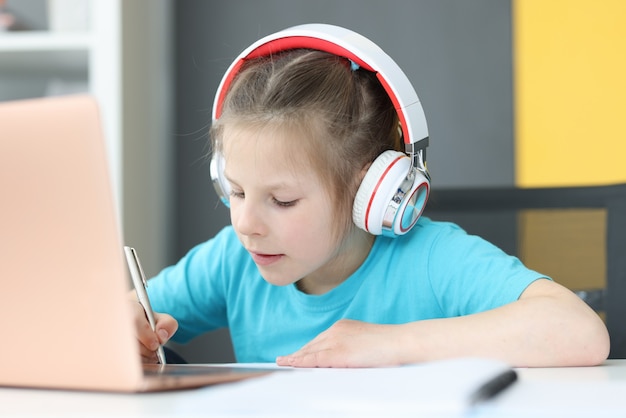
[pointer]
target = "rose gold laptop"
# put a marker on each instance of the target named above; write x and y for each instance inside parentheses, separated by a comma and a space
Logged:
(65, 319)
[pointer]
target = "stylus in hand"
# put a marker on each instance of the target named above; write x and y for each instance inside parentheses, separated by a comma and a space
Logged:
(140, 284)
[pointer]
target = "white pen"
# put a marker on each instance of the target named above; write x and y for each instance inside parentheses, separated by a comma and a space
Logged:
(140, 284)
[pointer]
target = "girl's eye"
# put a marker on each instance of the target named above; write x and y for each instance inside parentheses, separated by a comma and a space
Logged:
(285, 204)
(282, 204)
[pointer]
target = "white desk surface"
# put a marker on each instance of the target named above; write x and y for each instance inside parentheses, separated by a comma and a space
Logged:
(572, 392)
(594, 392)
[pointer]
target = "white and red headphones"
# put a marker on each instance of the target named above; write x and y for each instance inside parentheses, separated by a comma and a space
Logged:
(394, 191)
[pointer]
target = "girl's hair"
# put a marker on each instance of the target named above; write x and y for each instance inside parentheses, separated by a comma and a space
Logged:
(344, 117)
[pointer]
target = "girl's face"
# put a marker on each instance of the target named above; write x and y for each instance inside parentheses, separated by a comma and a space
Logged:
(283, 214)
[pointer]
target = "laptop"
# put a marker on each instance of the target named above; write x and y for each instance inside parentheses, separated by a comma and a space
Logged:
(64, 313)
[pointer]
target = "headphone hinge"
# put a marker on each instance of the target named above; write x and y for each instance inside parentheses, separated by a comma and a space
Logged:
(417, 152)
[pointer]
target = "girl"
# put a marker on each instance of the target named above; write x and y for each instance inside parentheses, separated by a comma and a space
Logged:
(298, 282)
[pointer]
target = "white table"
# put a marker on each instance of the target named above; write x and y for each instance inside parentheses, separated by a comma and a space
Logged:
(542, 392)
(591, 392)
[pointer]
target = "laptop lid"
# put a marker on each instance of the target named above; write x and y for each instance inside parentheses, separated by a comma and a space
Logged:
(66, 320)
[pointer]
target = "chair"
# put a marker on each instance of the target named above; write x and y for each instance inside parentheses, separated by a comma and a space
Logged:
(576, 235)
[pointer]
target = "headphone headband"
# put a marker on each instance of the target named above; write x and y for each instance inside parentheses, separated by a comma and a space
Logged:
(395, 188)
(345, 43)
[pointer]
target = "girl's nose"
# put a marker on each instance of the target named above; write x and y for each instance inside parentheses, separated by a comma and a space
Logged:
(246, 218)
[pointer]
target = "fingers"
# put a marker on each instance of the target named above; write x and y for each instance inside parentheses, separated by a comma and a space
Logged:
(307, 359)
(348, 343)
(149, 340)
(322, 351)
(166, 326)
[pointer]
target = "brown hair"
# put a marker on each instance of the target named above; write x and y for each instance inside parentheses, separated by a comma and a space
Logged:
(345, 116)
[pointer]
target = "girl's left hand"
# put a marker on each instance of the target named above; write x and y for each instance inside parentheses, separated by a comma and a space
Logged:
(348, 343)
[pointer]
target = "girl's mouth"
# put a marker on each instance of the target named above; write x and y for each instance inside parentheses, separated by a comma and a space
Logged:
(265, 259)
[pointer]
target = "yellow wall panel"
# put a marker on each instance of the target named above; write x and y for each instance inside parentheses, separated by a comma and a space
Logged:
(570, 92)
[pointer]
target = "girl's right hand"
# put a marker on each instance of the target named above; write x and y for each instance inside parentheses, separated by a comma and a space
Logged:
(149, 341)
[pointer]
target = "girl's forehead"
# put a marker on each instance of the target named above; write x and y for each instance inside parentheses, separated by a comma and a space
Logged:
(278, 148)
(273, 142)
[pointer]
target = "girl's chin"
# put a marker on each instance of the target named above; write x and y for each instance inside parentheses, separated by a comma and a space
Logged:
(280, 282)
(277, 280)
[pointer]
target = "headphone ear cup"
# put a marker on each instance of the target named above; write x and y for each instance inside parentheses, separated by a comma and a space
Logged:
(377, 188)
(377, 202)
(220, 184)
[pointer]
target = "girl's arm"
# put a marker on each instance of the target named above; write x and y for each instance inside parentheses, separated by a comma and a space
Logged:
(547, 326)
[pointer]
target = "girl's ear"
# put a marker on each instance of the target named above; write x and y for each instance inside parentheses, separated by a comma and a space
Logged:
(361, 176)
(364, 171)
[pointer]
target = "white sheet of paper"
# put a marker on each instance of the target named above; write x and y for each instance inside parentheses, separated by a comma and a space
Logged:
(442, 387)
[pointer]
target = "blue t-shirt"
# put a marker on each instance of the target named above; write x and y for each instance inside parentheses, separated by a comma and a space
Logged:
(435, 271)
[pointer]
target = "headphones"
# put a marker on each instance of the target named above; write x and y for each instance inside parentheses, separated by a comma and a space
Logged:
(394, 191)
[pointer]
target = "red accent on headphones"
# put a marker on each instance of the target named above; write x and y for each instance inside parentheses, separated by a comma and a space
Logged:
(380, 180)
(298, 42)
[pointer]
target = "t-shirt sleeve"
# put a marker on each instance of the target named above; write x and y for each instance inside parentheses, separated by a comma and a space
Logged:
(193, 290)
(470, 275)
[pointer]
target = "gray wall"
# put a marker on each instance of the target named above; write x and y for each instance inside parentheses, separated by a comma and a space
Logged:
(457, 53)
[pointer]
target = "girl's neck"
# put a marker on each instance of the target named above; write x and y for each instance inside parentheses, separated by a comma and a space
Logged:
(349, 257)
